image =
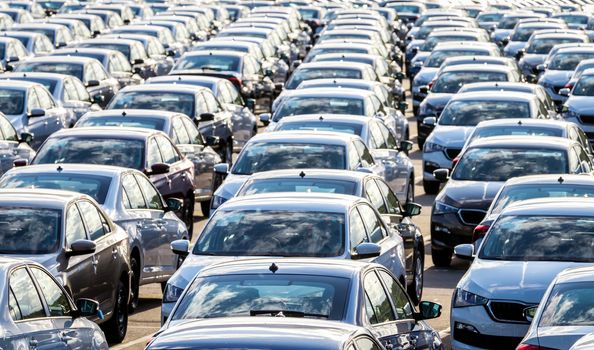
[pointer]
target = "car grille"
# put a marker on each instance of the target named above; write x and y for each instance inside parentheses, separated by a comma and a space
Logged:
(483, 341)
(452, 153)
(508, 311)
(587, 119)
(471, 216)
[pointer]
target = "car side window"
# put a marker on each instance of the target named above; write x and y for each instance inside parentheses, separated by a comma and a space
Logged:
(393, 205)
(391, 142)
(354, 158)
(168, 152)
(39, 46)
(379, 300)
(235, 96)
(357, 230)
(542, 110)
(365, 156)
(153, 153)
(83, 93)
(24, 301)
(404, 309)
(100, 71)
(180, 131)
(89, 73)
(369, 107)
(583, 139)
(150, 193)
(224, 94)
(45, 99)
(70, 93)
(33, 101)
(193, 133)
(54, 296)
(8, 131)
(114, 64)
(93, 220)
(374, 195)
(372, 222)
(201, 106)
(574, 162)
(584, 159)
(377, 137)
(366, 343)
(74, 225)
(132, 194)
(211, 103)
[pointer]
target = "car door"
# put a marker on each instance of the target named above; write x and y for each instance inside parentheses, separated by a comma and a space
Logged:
(366, 159)
(380, 316)
(79, 269)
(29, 314)
(178, 177)
(222, 117)
(96, 92)
(53, 119)
(74, 333)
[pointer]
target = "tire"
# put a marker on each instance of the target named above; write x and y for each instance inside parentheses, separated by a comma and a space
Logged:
(188, 216)
(410, 191)
(441, 257)
(431, 187)
(205, 207)
(115, 329)
(135, 287)
(415, 289)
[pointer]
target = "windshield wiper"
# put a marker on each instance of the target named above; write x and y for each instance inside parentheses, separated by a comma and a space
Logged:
(285, 313)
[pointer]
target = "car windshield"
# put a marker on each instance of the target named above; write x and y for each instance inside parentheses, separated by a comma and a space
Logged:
(516, 130)
(584, 86)
(95, 186)
(49, 84)
(508, 22)
(124, 49)
(568, 60)
(156, 100)
(346, 36)
(321, 73)
(131, 122)
(543, 46)
(432, 41)
(437, 57)
(524, 33)
(12, 101)
(569, 304)
(210, 62)
(501, 164)
(451, 82)
(265, 156)
(319, 105)
(29, 230)
(489, 17)
(470, 113)
(322, 51)
(244, 295)
(402, 8)
(512, 194)
(75, 70)
(347, 128)
(50, 33)
(540, 238)
(574, 19)
(92, 150)
(273, 233)
(301, 185)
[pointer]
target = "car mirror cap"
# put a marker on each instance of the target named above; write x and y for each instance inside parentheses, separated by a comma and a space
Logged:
(26, 137)
(157, 169)
(92, 83)
(464, 251)
(442, 175)
(428, 310)
(429, 121)
(366, 251)
(88, 308)
(36, 112)
(221, 168)
(207, 117)
(265, 118)
(81, 247)
(405, 146)
(565, 92)
(174, 204)
(180, 247)
(412, 209)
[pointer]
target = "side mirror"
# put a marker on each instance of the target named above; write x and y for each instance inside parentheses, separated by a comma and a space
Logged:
(405, 146)
(541, 68)
(180, 247)
(213, 141)
(265, 118)
(366, 251)
(442, 175)
(138, 61)
(268, 72)
(98, 99)
(174, 204)
(26, 137)
(158, 169)
(96, 32)
(20, 162)
(221, 168)
(565, 92)
(81, 247)
(504, 41)
(250, 103)
(414, 50)
(429, 121)
(530, 312)
(464, 251)
(92, 83)
(428, 310)
(207, 117)
(278, 88)
(412, 209)
(37, 112)
(88, 308)
(531, 78)
(424, 89)
(399, 76)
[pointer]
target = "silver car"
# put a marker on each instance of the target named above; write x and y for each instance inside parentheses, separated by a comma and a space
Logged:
(14, 147)
(130, 200)
(39, 313)
(292, 224)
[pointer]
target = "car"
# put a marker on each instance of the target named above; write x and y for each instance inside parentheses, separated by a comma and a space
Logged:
(149, 151)
(37, 309)
(480, 172)
(449, 82)
(458, 119)
(124, 194)
(577, 107)
(537, 238)
(358, 184)
(575, 20)
(578, 71)
(68, 233)
(294, 149)
(245, 124)
(352, 284)
(196, 102)
(324, 214)
(58, 34)
(488, 20)
(501, 33)
(94, 23)
(16, 145)
(36, 43)
(67, 90)
(100, 85)
(31, 108)
(12, 52)
(18, 15)
(164, 35)
(583, 343)
(524, 29)
(325, 70)
(182, 131)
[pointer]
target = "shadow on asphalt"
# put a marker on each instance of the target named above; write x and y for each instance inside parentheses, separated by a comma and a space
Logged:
(146, 304)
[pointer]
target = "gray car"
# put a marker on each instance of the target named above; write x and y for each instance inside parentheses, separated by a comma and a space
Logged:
(37, 310)
(130, 200)
(578, 107)
(15, 147)
(323, 225)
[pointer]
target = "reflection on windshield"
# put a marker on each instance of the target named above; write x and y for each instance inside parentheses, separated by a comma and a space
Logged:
(157, 100)
(319, 105)
(12, 101)
(470, 113)
(569, 60)
(128, 122)
(29, 230)
(512, 194)
(347, 128)
(543, 46)
(451, 82)
(584, 86)
(322, 73)
(301, 185)
(211, 62)
(569, 304)
(75, 70)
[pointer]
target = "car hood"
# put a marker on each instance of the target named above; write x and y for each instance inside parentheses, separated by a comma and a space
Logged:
(533, 60)
(469, 194)
(231, 185)
(438, 100)
(524, 281)
(450, 135)
(561, 337)
(425, 75)
(581, 104)
(556, 77)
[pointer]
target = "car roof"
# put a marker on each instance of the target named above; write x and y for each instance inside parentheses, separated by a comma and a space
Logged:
(67, 168)
(548, 179)
(548, 123)
(49, 76)
(107, 132)
(490, 96)
(477, 67)
(574, 206)
(332, 91)
(175, 88)
(294, 201)
(305, 136)
(354, 119)
(512, 85)
(333, 174)
(61, 59)
(38, 197)
(523, 142)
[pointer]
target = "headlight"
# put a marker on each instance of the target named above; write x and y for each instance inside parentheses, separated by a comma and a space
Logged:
(432, 147)
(172, 293)
(465, 298)
(442, 208)
(217, 202)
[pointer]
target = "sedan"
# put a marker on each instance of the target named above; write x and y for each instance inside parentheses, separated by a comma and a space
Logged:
(58, 34)
(578, 107)
(15, 147)
(305, 225)
(37, 309)
(36, 43)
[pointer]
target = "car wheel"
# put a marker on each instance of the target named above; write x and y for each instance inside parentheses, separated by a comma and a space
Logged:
(189, 214)
(115, 329)
(441, 257)
(415, 290)
(135, 280)
(431, 187)
(410, 192)
(205, 207)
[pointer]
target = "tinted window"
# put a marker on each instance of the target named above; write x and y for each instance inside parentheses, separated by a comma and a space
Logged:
(12, 101)
(321, 73)
(569, 304)
(179, 130)
(29, 230)
(150, 193)
(404, 309)
(470, 113)
(157, 100)
(374, 195)
(372, 223)
(168, 151)
(303, 185)
(55, 298)
(132, 122)
(134, 198)
(209, 62)
(512, 194)
(380, 303)
(451, 82)
(347, 128)
(74, 225)
(24, 302)
(93, 220)
(357, 234)
(319, 105)
(8, 132)
(366, 157)
(391, 200)
(52, 67)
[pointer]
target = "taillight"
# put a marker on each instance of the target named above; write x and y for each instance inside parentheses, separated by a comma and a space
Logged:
(430, 85)
(531, 347)
(568, 86)
(455, 161)
(479, 232)
(235, 81)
